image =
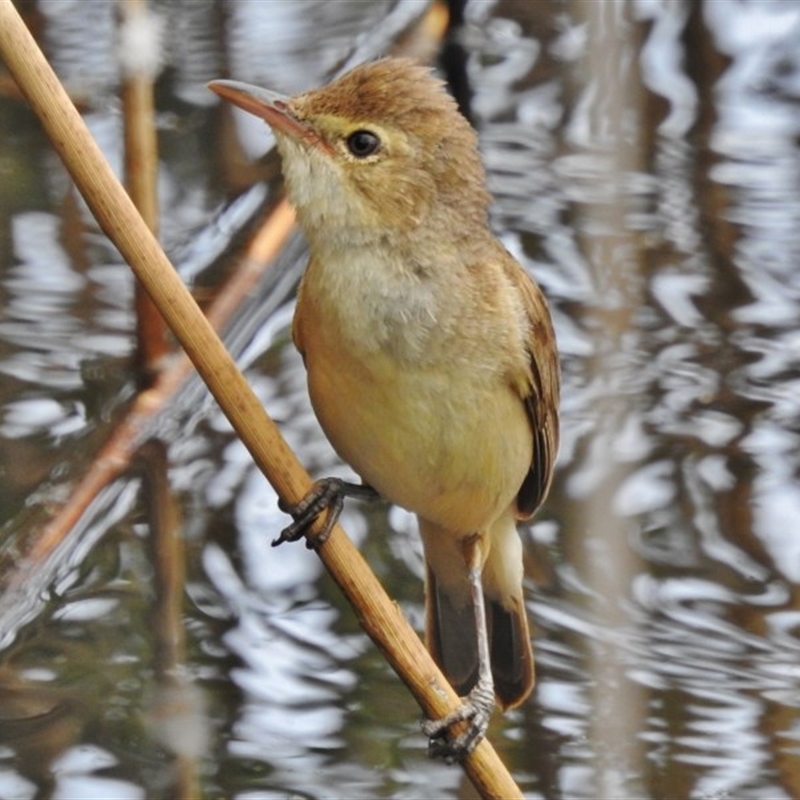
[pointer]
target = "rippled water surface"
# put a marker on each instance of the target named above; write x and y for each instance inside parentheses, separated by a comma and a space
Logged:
(645, 164)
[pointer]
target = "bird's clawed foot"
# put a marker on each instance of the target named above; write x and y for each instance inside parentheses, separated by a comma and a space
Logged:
(328, 495)
(476, 710)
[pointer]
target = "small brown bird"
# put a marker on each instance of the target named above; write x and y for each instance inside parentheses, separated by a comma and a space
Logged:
(431, 358)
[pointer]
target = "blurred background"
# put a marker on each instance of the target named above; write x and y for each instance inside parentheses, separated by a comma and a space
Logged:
(645, 162)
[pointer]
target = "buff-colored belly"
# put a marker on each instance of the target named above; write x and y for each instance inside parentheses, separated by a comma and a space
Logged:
(437, 442)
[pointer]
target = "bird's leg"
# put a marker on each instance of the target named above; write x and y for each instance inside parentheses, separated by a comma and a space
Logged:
(328, 495)
(477, 706)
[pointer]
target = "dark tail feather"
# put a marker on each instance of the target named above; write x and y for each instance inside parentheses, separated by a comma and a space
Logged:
(452, 641)
(450, 636)
(511, 652)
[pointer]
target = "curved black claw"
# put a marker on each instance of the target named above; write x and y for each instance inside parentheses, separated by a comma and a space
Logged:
(476, 709)
(328, 495)
(325, 495)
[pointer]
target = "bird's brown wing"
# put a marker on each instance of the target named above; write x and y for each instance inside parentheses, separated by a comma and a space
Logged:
(541, 400)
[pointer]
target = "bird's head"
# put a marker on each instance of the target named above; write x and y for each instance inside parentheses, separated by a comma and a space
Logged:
(381, 150)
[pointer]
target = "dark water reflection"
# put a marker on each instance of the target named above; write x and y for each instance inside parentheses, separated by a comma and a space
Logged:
(644, 158)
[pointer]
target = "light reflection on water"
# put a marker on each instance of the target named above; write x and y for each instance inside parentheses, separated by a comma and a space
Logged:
(652, 187)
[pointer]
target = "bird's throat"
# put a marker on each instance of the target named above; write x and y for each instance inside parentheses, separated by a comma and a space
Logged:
(374, 301)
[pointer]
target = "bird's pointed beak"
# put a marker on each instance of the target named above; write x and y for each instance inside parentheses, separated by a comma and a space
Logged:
(272, 107)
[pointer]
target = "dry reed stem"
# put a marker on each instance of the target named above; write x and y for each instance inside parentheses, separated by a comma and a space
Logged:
(115, 455)
(141, 181)
(114, 211)
(121, 444)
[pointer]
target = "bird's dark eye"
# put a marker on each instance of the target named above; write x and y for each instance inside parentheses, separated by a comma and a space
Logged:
(363, 143)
